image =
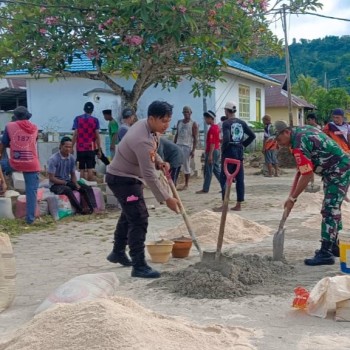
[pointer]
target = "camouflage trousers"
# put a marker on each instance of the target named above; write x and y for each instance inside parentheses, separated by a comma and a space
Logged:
(335, 189)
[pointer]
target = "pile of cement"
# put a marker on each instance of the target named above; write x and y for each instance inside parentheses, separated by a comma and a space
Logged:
(235, 277)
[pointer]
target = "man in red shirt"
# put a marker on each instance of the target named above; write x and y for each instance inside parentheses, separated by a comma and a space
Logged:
(212, 152)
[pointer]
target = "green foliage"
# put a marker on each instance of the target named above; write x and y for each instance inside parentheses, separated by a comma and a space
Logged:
(257, 125)
(326, 101)
(305, 87)
(154, 42)
(327, 60)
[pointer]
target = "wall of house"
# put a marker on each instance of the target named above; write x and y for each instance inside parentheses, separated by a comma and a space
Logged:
(5, 117)
(281, 113)
(55, 104)
(228, 91)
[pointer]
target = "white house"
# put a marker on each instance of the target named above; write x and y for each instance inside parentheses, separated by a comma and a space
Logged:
(54, 104)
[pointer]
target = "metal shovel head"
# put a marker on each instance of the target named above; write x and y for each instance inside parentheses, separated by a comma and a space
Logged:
(278, 244)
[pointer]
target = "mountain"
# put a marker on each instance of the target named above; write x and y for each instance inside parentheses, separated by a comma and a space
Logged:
(327, 58)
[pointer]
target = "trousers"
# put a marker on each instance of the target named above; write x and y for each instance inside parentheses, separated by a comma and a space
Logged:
(335, 189)
(210, 169)
(131, 228)
(233, 152)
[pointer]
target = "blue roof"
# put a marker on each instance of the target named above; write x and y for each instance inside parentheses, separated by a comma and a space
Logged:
(84, 64)
(244, 68)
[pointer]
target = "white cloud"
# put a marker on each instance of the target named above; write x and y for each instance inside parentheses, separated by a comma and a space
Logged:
(313, 27)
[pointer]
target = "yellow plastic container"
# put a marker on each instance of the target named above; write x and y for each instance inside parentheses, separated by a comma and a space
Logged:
(344, 250)
(160, 251)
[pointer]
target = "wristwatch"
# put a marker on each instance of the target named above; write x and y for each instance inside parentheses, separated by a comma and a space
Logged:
(292, 199)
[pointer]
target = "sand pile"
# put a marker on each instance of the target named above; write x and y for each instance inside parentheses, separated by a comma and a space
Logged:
(120, 323)
(238, 276)
(206, 223)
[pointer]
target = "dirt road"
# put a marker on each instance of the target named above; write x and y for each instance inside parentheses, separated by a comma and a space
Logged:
(47, 259)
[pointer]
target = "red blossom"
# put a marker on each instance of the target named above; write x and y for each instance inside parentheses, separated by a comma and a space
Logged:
(91, 54)
(219, 5)
(52, 20)
(182, 9)
(212, 12)
(42, 31)
(101, 26)
(211, 23)
(133, 40)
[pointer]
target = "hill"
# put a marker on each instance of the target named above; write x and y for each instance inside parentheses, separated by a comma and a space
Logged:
(319, 58)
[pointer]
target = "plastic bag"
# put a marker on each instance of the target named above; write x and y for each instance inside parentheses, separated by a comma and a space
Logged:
(82, 288)
(301, 297)
(326, 293)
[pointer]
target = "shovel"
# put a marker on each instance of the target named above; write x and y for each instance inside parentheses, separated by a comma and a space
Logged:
(182, 210)
(278, 237)
(213, 256)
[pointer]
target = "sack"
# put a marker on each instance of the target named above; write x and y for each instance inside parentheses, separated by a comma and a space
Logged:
(7, 272)
(6, 208)
(82, 288)
(59, 206)
(21, 207)
(326, 294)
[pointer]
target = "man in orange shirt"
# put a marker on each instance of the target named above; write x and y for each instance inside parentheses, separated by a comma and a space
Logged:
(270, 147)
(339, 130)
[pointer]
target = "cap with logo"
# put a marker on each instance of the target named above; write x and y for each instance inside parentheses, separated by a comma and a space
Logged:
(209, 114)
(338, 111)
(21, 112)
(279, 126)
(88, 107)
(230, 105)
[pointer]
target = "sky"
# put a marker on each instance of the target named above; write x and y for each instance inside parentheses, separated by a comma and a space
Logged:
(312, 27)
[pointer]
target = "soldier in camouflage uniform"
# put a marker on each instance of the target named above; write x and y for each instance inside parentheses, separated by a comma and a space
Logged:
(315, 152)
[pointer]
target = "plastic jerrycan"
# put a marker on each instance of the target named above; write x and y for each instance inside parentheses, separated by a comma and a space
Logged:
(344, 248)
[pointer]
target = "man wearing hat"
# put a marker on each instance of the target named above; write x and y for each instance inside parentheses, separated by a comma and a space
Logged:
(315, 152)
(236, 136)
(186, 138)
(128, 118)
(21, 136)
(339, 130)
(212, 152)
(112, 130)
(86, 137)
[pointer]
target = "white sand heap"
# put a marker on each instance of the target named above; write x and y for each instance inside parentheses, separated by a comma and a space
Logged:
(311, 203)
(120, 323)
(206, 224)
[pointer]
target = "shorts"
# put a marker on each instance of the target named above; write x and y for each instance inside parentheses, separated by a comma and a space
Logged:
(186, 165)
(86, 160)
(271, 156)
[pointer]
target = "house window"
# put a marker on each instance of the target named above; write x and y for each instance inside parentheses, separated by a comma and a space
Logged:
(258, 105)
(244, 102)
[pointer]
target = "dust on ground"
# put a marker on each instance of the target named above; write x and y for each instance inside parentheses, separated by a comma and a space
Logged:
(234, 276)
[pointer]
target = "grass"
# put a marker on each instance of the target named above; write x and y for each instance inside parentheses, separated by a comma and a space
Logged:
(16, 227)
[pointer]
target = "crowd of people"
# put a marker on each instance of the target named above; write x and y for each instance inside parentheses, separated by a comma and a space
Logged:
(138, 151)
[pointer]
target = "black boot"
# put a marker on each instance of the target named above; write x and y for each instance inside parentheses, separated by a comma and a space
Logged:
(335, 249)
(323, 257)
(119, 257)
(140, 267)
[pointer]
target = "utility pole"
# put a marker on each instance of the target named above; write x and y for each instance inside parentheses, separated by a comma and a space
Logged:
(205, 109)
(289, 85)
